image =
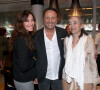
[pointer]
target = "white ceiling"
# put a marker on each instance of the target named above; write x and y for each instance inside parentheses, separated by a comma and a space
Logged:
(15, 5)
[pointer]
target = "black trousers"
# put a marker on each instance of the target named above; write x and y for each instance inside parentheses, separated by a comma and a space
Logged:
(98, 63)
(53, 84)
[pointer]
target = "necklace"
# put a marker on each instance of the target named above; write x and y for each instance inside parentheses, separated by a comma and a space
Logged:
(74, 44)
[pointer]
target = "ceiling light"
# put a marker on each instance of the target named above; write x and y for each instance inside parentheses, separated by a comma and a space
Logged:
(54, 4)
(75, 9)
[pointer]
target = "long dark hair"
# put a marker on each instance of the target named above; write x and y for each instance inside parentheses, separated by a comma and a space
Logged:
(3, 31)
(19, 29)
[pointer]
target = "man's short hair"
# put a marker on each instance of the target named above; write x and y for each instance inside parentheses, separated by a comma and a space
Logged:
(52, 9)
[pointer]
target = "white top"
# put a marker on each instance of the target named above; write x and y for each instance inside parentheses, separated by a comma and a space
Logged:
(97, 41)
(75, 60)
(53, 56)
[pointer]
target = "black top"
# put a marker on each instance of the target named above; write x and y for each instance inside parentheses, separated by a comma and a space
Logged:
(41, 63)
(23, 63)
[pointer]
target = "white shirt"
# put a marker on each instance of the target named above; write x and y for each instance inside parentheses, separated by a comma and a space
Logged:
(97, 42)
(53, 57)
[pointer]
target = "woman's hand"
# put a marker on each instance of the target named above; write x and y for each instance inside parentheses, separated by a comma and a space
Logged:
(35, 81)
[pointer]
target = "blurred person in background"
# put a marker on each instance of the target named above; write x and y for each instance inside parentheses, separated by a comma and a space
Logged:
(23, 51)
(3, 47)
(68, 30)
(97, 45)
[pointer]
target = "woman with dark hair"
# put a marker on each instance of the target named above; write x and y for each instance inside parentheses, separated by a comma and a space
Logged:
(23, 51)
(80, 69)
(3, 47)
